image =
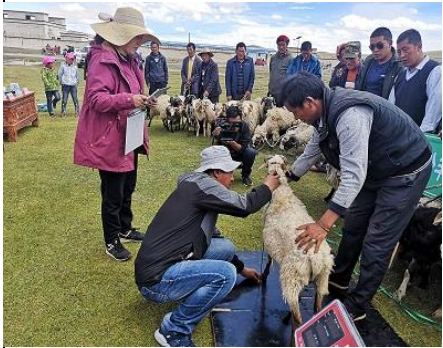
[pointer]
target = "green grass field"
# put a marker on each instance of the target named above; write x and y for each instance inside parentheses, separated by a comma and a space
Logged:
(59, 287)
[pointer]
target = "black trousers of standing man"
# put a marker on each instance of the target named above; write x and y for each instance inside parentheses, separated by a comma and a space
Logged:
(117, 190)
(373, 225)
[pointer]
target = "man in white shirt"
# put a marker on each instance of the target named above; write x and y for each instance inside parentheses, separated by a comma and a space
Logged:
(417, 90)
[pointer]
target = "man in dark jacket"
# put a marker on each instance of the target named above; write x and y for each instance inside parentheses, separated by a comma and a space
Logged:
(209, 79)
(180, 258)
(240, 75)
(349, 75)
(190, 72)
(156, 69)
(385, 163)
(381, 67)
(278, 65)
(417, 90)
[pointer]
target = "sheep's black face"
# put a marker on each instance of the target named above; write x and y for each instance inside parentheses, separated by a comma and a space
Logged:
(290, 143)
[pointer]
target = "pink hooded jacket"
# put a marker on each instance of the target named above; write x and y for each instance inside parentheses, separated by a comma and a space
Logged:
(101, 129)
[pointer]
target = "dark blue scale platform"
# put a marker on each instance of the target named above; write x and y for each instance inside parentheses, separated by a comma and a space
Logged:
(256, 315)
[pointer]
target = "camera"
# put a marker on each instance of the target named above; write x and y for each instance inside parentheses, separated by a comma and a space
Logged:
(229, 131)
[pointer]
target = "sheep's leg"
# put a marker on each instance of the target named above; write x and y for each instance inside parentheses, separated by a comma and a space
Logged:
(150, 120)
(265, 274)
(321, 282)
(401, 292)
(197, 127)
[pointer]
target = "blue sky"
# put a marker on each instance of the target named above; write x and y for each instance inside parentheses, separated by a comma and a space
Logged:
(259, 23)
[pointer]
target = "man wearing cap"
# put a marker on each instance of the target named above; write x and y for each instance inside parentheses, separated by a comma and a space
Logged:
(417, 90)
(382, 67)
(278, 65)
(350, 74)
(338, 69)
(305, 61)
(182, 258)
(209, 79)
(115, 87)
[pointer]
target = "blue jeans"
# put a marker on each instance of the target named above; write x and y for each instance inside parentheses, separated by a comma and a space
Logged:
(200, 284)
(66, 89)
(52, 98)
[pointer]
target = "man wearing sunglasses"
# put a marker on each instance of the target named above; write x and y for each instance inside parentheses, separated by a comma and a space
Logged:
(382, 66)
(417, 90)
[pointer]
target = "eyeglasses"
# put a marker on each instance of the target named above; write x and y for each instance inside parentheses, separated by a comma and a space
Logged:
(379, 45)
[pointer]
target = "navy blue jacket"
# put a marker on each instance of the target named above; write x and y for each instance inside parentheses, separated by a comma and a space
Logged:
(209, 79)
(232, 73)
(156, 71)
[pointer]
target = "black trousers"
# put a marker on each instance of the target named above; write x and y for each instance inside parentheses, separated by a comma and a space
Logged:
(153, 86)
(117, 190)
(247, 157)
(373, 225)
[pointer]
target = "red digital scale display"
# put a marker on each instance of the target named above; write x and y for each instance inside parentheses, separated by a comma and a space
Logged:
(331, 327)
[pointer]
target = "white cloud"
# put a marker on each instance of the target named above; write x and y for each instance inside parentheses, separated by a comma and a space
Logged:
(72, 7)
(276, 17)
(180, 29)
(301, 8)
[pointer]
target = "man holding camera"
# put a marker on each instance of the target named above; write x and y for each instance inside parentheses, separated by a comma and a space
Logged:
(235, 134)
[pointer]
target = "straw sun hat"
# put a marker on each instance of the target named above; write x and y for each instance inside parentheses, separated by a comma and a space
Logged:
(121, 28)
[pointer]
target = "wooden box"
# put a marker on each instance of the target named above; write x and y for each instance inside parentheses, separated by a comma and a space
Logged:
(18, 113)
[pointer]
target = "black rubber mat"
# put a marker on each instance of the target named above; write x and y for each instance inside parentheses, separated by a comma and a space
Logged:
(256, 316)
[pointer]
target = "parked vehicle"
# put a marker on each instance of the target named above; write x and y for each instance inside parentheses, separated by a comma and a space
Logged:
(80, 56)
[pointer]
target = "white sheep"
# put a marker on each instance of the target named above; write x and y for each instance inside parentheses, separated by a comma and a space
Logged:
(160, 108)
(295, 139)
(251, 113)
(277, 121)
(283, 215)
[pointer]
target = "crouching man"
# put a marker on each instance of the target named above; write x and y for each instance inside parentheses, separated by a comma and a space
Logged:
(240, 146)
(181, 258)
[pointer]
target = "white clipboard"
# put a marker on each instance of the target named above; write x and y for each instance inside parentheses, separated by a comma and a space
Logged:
(135, 128)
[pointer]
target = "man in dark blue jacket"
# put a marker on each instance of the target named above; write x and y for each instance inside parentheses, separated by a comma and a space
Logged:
(181, 259)
(156, 69)
(240, 75)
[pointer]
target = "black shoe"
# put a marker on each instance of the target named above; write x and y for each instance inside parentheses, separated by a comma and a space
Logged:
(355, 313)
(173, 339)
(247, 181)
(133, 235)
(117, 251)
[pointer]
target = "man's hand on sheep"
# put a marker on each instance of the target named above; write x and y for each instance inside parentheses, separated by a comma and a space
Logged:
(314, 235)
(272, 181)
(251, 273)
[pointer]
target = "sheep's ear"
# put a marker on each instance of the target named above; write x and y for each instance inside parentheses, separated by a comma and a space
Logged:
(285, 159)
(170, 100)
(263, 99)
(267, 158)
(437, 219)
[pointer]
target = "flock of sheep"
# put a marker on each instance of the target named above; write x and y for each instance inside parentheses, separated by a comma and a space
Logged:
(268, 123)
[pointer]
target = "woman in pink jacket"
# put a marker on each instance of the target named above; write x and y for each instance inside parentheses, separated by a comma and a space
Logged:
(114, 87)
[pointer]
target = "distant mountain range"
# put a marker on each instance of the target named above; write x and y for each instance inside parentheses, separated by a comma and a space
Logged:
(222, 48)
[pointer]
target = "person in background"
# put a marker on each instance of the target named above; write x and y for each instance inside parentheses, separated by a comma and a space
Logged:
(277, 67)
(68, 77)
(240, 148)
(190, 72)
(382, 67)
(115, 87)
(384, 162)
(418, 89)
(156, 69)
(209, 79)
(183, 257)
(350, 74)
(240, 75)
(51, 84)
(338, 69)
(305, 61)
